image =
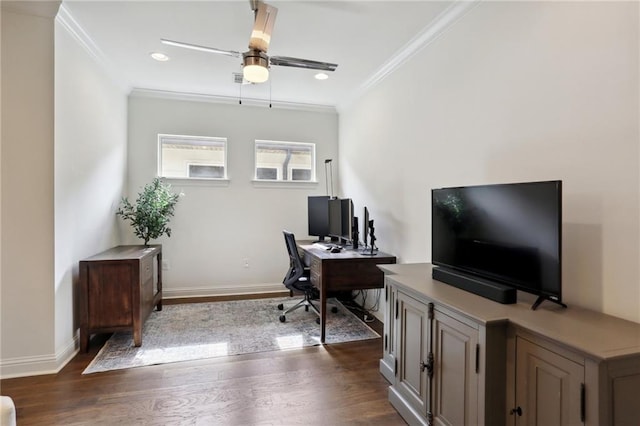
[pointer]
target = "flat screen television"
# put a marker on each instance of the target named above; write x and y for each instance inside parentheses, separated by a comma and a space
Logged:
(504, 236)
(318, 216)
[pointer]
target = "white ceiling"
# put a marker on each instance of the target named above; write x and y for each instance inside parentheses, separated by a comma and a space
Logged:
(360, 36)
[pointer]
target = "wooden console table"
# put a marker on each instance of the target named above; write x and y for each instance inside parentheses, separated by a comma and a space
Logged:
(347, 270)
(118, 290)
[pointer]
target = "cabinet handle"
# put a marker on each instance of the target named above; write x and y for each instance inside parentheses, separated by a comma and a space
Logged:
(396, 309)
(517, 411)
(385, 342)
(583, 407)
(428, 366)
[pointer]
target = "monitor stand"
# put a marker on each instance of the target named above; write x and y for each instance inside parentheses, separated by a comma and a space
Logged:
(541, 299)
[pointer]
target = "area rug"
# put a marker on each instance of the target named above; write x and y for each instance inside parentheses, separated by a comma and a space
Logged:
(192, 331)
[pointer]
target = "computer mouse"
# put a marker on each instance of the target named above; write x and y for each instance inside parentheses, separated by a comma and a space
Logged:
(336, 250)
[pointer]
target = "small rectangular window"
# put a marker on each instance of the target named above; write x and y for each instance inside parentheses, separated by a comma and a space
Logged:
(269, 173)
(285, 161)
(192, 157)
(206, 171)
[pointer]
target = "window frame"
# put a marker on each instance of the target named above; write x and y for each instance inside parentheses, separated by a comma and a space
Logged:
(213, 140)
(290, 167)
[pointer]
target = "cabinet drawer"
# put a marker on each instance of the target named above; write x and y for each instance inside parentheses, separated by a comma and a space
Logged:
(316, 269)
(146, 269)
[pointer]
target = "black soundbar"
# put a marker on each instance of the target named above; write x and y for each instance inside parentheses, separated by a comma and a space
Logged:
(494, 291)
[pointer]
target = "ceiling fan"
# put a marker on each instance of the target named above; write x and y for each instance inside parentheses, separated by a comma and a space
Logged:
(255, 62)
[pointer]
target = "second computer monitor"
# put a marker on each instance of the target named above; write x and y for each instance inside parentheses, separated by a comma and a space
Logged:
(347, 219)
(341, 219)
(335, 217)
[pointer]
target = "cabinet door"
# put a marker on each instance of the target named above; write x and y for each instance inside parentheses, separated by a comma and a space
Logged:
(389, 343)
(548, 386)
(455, 380)
(109, 290)
(413, 337)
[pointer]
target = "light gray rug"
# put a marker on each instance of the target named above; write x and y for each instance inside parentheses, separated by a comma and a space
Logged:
(191, 331)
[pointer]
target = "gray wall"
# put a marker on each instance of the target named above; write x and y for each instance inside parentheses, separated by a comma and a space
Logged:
(217, 226)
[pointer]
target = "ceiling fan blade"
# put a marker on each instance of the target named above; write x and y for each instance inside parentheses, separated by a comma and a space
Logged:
(262, 27)
(285, 61)
(232, 53)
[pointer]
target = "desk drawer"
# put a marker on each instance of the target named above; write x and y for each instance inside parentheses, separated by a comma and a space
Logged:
(356, 275)
(316, 270)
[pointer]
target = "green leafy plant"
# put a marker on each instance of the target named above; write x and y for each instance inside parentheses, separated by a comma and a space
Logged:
(152, 211)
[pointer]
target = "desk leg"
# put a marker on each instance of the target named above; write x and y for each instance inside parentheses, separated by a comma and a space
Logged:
(323, 311)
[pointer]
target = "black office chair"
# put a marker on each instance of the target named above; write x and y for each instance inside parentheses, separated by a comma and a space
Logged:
(298, 279)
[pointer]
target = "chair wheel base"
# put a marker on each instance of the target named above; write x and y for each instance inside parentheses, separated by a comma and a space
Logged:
(334, 309)
(317, 320)
(283, 318)
(281, 306)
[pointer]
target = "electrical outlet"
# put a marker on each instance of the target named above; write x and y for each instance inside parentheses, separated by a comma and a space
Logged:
(245, 262)
(165, 265)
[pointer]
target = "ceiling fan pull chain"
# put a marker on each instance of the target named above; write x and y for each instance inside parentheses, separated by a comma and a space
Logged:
(240, 95)
(269, 93)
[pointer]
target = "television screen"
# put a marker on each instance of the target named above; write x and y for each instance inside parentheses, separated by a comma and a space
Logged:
(506, 233)
(318, 216)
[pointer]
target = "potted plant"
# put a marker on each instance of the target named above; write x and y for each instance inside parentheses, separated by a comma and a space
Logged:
(152, 211)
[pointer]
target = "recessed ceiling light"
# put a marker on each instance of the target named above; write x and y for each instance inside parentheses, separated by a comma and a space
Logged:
(321, 76)
(159, 56)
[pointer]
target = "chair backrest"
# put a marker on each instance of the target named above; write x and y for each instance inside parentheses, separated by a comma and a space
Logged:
(296, 267)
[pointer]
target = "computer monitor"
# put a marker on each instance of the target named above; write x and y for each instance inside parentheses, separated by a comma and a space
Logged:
(365, 226)
(347, 219)
(318, 216)
(335, 217)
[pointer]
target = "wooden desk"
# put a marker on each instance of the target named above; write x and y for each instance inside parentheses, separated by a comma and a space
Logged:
(347, 270)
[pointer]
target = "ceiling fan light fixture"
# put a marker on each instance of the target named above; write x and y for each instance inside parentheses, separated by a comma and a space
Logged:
(255, 66)
(321, 76)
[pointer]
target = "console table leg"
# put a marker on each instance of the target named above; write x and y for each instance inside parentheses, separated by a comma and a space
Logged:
(84, 340)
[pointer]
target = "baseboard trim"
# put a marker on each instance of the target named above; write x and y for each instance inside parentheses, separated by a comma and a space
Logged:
(403, 407)
(258, 290)
(39, 365)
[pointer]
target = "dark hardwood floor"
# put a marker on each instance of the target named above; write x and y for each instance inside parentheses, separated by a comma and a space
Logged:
(323, 385)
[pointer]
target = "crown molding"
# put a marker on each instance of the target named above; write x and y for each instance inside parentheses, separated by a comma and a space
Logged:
(430, 33)
(229, 100)
(69, 23)
(43, 9)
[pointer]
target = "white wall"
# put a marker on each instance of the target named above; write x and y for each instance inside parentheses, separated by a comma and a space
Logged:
(27, 292)
(90, 170)
(512, 92)
(217, 226)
